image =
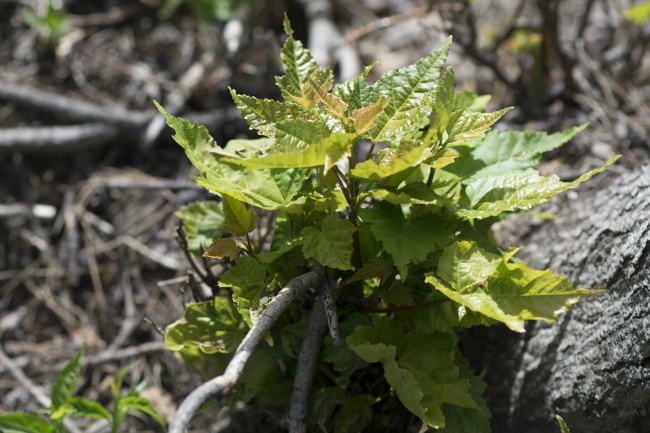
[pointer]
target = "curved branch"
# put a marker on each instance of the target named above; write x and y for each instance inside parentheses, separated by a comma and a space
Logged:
(223, 385)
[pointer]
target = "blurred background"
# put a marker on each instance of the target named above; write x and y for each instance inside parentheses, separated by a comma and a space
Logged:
(90, 178)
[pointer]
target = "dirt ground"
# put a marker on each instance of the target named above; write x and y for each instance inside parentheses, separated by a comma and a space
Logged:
(90, 178)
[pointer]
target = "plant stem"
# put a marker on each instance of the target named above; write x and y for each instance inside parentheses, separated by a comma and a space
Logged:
(307, 359)
(223, 385)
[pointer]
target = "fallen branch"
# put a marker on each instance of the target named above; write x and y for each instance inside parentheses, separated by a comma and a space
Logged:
(73, 109)
(223, 385)
(56, 138)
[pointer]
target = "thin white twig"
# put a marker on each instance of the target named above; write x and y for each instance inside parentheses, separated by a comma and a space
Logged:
(221, 386)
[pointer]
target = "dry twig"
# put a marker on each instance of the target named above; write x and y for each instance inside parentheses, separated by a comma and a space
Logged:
(223, 385)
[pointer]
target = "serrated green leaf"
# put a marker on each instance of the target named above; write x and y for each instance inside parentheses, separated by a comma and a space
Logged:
(355, 414)
(202, 223)
(464, 419)
(356, 92)
(331, 245)
(300, 67)
(239, 220)
(66, 381)
(223, 248)
(408, 91)
(332, 103)
(507, 292)
(24, 423)
(251, 292)
(89, 409)
(442, 104)
(140, 404)
(263, 114)
(505, 152)
(442, 158)
(420, 367)
(564, 428)
(523, 190)
(388, 162)
(268, 189)
(364, 118)
(470, 102)
(466, 126)
(212, 326)
(407, 241)
(321, 150)
(464, 264)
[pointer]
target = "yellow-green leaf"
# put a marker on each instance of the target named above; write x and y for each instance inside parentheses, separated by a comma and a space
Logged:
(508, 292)
(239, 219)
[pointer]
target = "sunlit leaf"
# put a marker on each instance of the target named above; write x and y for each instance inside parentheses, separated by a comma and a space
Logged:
(302, 150)
(202, 223)
(390, 161)
(521, 190)
(470, 102)
(212, 326)
(263, 114)
(466, 126)
(564, 428)
(638, 14)
(442, 104)
(268, 189)
(300, 69)
(407, 91)
(364, 118)
(505, 152)
(507, 292)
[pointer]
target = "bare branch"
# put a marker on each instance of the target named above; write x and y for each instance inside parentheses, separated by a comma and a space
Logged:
(221, 386)
(311, 344)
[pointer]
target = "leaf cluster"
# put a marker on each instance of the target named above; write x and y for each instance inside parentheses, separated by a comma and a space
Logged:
(65, 404)
(404, 222)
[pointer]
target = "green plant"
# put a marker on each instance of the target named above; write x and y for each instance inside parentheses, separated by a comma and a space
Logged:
(64, 404)
(400, 236)
(51, 24)
(639, 13)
